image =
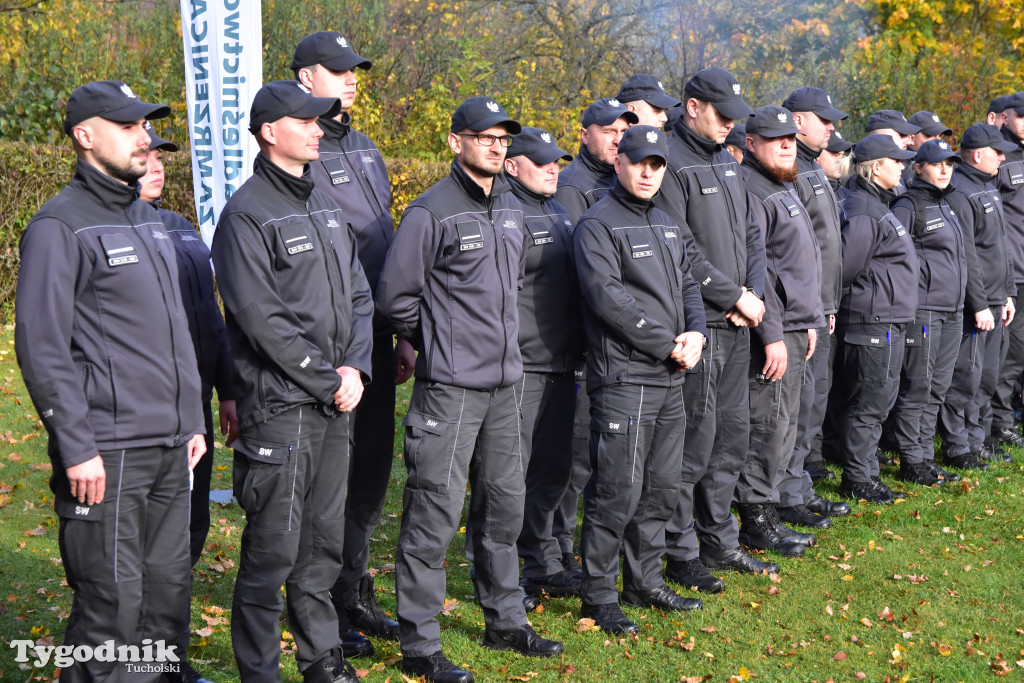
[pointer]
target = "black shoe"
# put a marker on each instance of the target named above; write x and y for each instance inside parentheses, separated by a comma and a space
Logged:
(367, 616)
(736, 559)
(609, 617)
(801, 515)
(864, 490)
(435, 667)
(523, 640)
(572, 565)
(355, 644)
(555, 585)
(917, 473)
(785, 531)
(964, 461)
(994, 453)
(883, 459)
(880, 486)
(663, 598)
(693, 574)
(757, 531)
(530, 602)
(1009, 437)
(331, 669)
(817, 471)
(942, 475)
(828, 508)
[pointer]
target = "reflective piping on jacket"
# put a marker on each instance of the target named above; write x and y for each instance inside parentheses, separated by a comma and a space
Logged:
(636, 441)
(455, 442)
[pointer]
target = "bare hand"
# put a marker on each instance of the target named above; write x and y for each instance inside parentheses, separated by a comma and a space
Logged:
(1009, 311)
(688, 349)
(774, 361)
(228, 421)
(750, 307)
(738, 319)
(831, 323)
(88, 480)
(351, 389)
(984, 321)
(405, 361)
(195, 449)
(812, 343)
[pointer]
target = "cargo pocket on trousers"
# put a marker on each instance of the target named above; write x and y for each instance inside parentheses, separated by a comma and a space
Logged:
(264, 479)
(613, 438)
(429, 450)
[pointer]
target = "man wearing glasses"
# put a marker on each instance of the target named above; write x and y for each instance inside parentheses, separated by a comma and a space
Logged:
(450, 287)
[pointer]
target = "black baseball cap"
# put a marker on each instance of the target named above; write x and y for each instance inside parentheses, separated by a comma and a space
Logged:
(985, 135)
(647, 88)
(876, 146)
(737, 137)
(837, 145)
(640, 142)
(721, 89)
(998, 104)
(537, 145)
(929, 123)
(480, 113)
(890, 118)
(111, 100)
(934, 151)
(771, 121)
(329, 49)
(157, 142)
(1016, 102)
(814, 100)
(606, 111)
(278, 99)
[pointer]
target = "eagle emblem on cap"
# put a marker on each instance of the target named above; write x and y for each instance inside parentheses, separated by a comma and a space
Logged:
(127, 91)
(943, 145)
(148, 126)
(829, 98)
(935, 118)
(546, 138)
(660, 86)
(782, 116)
(736, 88)
(652, 136)
(342, 41)
(303, 88)
(493, 106)
(614, 102)
(837, 134)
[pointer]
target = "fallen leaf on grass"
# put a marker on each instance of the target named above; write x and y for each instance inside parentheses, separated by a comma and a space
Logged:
(38, 531)
(945, 650)
(448, 606)
(204, 632)
(695, 679)
(525, 677)
(586, 624)
(839, 656)
(999, 667)
(866, 622)
(860, 675)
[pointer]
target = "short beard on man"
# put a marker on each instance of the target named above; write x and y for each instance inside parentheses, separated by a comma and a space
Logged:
(781, 174)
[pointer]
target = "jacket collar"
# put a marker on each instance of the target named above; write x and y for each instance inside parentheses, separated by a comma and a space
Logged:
(282, 181)
(525, 194)
(751, 162)
(700, 145)
(803, 151)
(108, 191)
(973, 174)
(927, 190)
(335, 130)
(631, 202)
(1010, 137)
(858, 183)
(498, 186)
(593, 164)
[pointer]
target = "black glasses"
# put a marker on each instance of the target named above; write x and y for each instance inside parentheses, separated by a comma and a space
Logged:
(486, 139)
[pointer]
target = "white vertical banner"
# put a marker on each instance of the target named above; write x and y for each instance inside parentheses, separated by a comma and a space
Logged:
(223, 70)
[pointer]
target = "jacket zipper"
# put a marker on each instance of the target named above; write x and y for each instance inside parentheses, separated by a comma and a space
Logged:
(497, 262)
(367, 189)
(327, 267)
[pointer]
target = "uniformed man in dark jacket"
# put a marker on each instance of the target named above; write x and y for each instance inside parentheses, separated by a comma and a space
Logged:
(645, 326)
(213, 355)
(966, 416)
(892, 123)
(351, 171)
(704, 192)
(103, 345)
(551, 342)
(580, 184)
(815, 116)
(1010, 182)
(932, 128)
(450, 286)
(645, 96)
(879, 299)
(787, 335)
(299, 316)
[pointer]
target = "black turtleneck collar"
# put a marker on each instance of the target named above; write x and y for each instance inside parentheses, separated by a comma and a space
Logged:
(752, 162)
(887, 197)
(281, 180)
(1010, 137)
(595, 165)
(107, 190)
(472, 188)
(333, 129)
(524, 193)
(974, 174)
(630, 201)
(918, 184)
(698, 143)
(805, 152)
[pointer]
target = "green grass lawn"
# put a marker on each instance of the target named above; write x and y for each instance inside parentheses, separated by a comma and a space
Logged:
(928, 589)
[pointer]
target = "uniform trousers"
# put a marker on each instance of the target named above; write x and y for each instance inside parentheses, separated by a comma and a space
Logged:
(933, 340)
(1012, 353)
(796, 487)
(369, 474)
(127, 558)
(547, 404)
(967, 413)
(774, 407)
(454, 436)
(868, 374)
(717, 430)
(636, 441)
(290, 477)
(564, 523)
